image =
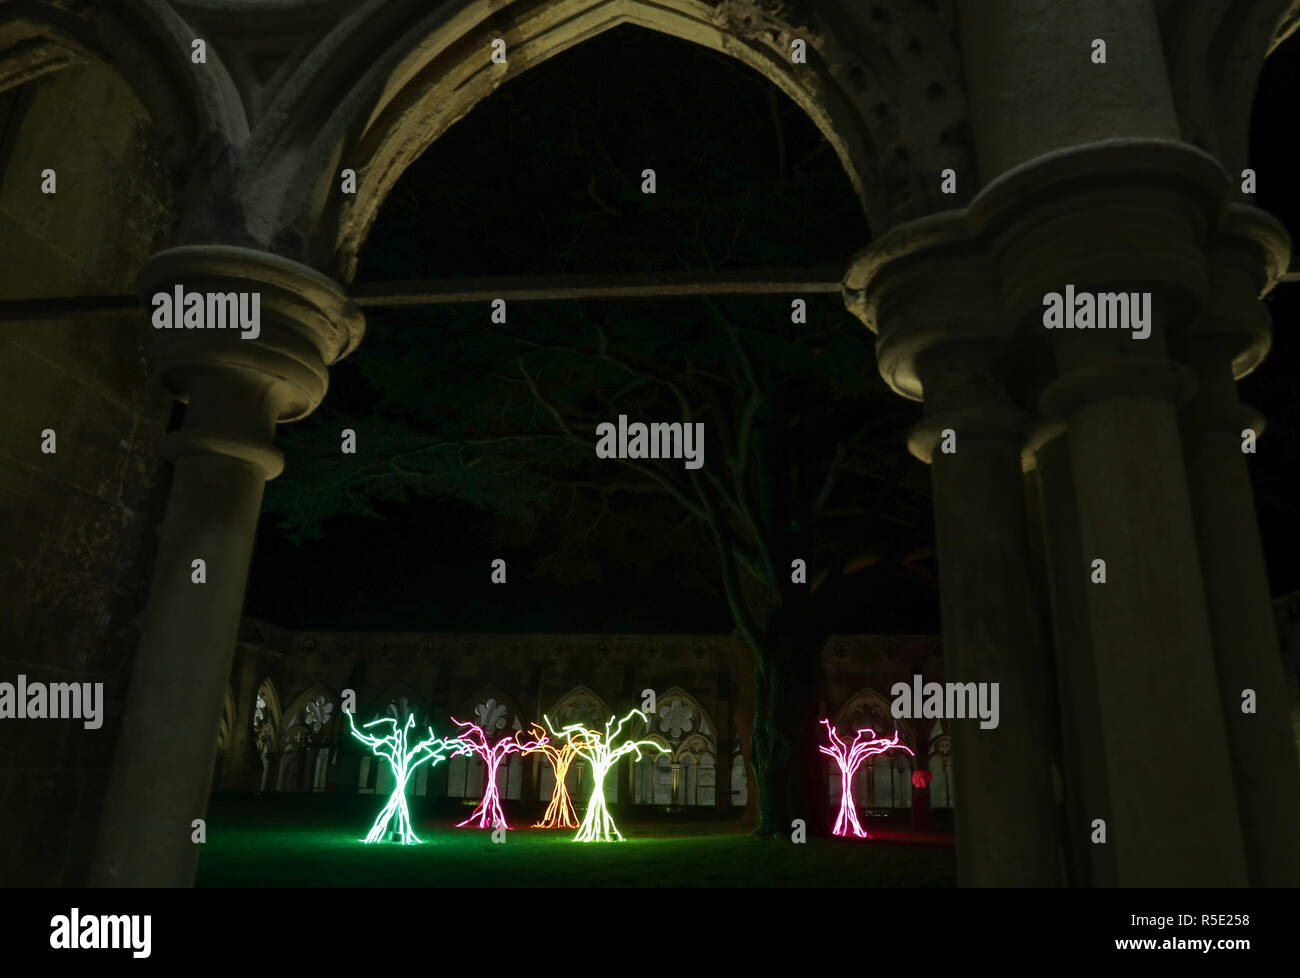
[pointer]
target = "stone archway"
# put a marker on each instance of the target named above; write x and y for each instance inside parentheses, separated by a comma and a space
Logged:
(444, 71)
(950, 294)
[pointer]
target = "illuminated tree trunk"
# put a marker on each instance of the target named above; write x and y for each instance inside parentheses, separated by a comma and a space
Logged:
(598, 825)
(396, 806)
(560, 813)
(488, 814)
(403, 761)
(848, 817)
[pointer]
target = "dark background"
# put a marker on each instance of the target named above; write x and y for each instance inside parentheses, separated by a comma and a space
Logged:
(543, 178)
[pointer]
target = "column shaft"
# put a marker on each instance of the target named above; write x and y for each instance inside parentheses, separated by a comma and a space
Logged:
(1083, 748)
(1261, 745)
(1005, 817)
(237, 390)
(1171, 823)
(168, 741)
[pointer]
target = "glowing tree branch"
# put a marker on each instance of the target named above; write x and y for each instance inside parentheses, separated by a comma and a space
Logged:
(601, 754)
(559, 813)
(488, 814)
(402, 760)
(849, 760)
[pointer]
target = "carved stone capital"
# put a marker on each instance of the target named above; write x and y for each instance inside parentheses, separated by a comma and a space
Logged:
(924, 285)
(239, 388)
(1247, 254)
(999, 421)
(307, 323)
(1119, 214)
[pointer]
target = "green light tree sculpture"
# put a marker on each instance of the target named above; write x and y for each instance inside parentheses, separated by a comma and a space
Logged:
(601, 752)
(402, 759)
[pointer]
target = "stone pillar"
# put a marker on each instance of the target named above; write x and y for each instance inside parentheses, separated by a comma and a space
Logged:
(1006, 812)
(926, 289)
(1086, 182)
(1129, 216)
(1034, 89)
(237, 391)
(1226, 342)
(1083, 761)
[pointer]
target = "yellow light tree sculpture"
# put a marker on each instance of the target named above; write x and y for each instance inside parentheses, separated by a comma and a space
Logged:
(601, 751)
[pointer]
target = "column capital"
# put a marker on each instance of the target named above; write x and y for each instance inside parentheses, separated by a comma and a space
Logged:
(307, 323)
(921, 286)
(978, 421)
(1248, 253)
(1114, 214)
(239, 388)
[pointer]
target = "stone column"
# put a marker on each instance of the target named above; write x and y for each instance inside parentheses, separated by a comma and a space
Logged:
(929, 294)
(1226, 342)
(1006, 833)
(1128, 216)
(1083, 762)
(237, 391)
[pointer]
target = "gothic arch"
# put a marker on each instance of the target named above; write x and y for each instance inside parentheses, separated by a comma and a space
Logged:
(468, 711)
(580, 705)
(147, 44)
(295, 717)
(867, 702)
(419, 705)
(1215, 51)
(226, 728)
(696, 727)
(377, 88)
(696, 745)
(271, 712)
(444, 71)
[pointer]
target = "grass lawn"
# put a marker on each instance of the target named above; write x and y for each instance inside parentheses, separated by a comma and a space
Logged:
(315, 841)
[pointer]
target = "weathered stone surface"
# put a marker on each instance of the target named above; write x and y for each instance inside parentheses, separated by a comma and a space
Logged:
(76, 531)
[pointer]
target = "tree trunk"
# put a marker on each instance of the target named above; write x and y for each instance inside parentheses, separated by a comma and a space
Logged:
(788, 769)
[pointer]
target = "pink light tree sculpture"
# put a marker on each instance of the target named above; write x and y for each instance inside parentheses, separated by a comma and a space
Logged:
(488, 814)
(849, 759)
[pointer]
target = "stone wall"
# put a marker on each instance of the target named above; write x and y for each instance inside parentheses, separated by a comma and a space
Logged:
(76, 526)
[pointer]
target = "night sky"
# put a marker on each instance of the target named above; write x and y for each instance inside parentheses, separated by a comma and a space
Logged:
(543, 178)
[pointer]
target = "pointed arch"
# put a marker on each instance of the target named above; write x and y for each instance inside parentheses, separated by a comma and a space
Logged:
(226, 726)
(580, 705)
(268, 713)
(147, 44)
(694, 745)
(419, 704)
(390, 76)
(295, 719)
(484, 706)
(869, 708)
(688, 719)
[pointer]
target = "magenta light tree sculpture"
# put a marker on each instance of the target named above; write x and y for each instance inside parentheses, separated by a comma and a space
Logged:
(488, 814)
(849, 759)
